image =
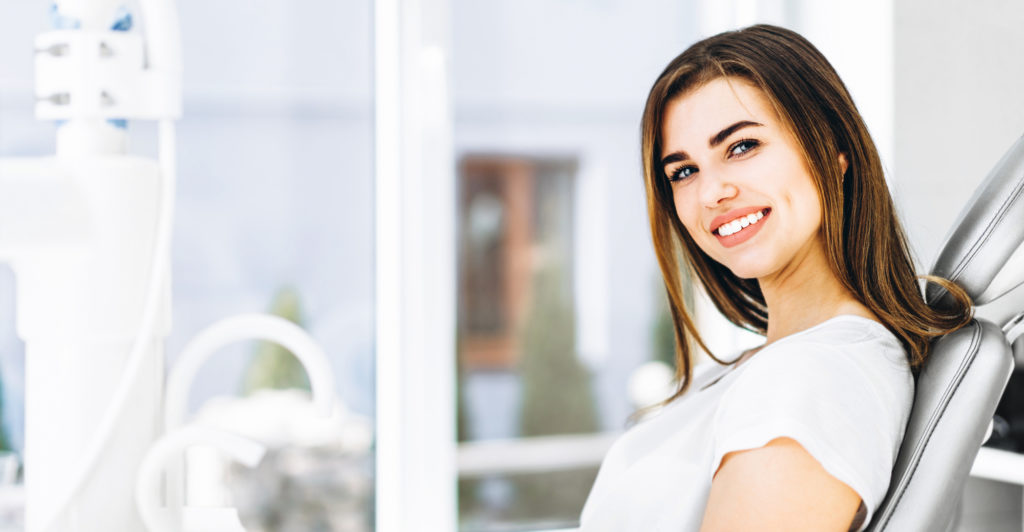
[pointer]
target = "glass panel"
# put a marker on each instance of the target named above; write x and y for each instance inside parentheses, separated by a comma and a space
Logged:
(560, 299)
(274, 214)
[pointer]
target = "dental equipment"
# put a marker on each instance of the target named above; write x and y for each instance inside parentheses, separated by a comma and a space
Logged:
(228, 331)
(92, 289)
(87, 233)
(164, 452)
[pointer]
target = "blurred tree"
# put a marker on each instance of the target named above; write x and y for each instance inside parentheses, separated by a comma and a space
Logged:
(469, 504)
(272, 365)
(557, 398)
(5, 441)
(663, 333)
(462, 426)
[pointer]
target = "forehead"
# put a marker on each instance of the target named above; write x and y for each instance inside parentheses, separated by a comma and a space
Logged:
(698, 114)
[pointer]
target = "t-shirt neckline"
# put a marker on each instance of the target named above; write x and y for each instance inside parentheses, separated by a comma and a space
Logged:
(838, 317)
(832, 319)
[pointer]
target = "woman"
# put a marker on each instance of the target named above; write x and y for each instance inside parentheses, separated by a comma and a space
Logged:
(760, 172)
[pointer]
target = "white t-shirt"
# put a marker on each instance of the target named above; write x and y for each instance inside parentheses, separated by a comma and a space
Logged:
(842, 389)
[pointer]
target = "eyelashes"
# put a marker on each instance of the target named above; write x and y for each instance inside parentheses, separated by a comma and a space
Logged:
(739, 148)
(748, 143)
(682, 172)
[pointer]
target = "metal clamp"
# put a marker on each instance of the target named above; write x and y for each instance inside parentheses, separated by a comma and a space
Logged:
(100, 74)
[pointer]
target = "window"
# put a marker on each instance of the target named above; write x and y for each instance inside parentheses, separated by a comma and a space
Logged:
(520, 372)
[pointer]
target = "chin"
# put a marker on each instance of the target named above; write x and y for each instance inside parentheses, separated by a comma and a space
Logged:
(750, 264)
(748, 271)
(742, 274)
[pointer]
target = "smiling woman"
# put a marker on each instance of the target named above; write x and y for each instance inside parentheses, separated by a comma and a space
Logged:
(760, 172)
(751, 166)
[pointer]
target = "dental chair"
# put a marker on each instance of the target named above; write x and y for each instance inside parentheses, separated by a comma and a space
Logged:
(965, 374)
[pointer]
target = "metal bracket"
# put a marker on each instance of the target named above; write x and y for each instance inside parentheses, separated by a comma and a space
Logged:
(100, 74)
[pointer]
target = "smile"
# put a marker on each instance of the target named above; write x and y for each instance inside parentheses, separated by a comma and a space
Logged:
(740, 223)
(741, 228)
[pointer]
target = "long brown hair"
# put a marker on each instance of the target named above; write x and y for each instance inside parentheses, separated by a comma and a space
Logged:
(864, 242)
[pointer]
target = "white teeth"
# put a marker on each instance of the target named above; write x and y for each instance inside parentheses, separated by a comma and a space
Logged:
(735, 226)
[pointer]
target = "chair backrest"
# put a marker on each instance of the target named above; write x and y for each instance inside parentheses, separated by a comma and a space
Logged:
(966, 371)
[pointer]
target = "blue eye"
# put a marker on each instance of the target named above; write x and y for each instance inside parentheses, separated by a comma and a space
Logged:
(743, 146)
(682, 172)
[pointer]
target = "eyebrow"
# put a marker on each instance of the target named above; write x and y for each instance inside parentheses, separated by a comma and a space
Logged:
(715, 140)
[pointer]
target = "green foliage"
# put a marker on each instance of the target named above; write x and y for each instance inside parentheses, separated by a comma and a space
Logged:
(462, 426)
(557, 398)
(274, 366)
(5, 440)
(664, 334)
(555, 496)
(467, 488)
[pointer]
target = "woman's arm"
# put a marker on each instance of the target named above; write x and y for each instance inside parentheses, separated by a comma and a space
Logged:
(778, 487)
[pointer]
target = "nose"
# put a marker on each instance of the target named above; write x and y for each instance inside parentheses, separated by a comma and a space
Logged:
(716, 188)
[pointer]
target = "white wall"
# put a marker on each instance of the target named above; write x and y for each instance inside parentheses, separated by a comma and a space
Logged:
(959, 85)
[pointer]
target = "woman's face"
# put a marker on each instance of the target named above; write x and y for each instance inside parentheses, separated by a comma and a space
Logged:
(740, 183)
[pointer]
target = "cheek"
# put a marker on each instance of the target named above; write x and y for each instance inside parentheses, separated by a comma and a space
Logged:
(798, 190)
(688, 214)
(685, 212)
(807, 205)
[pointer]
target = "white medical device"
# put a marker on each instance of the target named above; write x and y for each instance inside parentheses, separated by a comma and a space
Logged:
(87, 234)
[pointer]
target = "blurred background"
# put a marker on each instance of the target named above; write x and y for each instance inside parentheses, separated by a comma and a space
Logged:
(558, 298)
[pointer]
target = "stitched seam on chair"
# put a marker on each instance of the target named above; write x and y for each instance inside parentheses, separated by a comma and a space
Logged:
(980, 242)
(1000, 214)
(930, 428)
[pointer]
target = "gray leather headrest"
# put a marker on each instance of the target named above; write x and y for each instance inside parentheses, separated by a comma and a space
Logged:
(956, 393)
(981, 253)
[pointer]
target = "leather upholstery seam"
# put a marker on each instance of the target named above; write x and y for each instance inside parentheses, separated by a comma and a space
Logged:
(1004, 208)
(931, 426)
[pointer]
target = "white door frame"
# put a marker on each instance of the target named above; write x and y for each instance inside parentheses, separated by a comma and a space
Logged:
(415, 268)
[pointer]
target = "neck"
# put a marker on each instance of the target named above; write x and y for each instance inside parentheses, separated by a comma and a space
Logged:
(804, 294)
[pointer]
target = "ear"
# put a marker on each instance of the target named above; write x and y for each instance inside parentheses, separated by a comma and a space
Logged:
(842, 163)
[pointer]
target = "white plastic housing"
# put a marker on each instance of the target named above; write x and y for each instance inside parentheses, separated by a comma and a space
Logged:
(81, 277)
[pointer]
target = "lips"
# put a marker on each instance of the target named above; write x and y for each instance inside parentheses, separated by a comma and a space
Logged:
(733, 215)
(746, 233)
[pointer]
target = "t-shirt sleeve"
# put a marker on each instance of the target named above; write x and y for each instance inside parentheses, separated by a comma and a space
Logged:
(847, 414)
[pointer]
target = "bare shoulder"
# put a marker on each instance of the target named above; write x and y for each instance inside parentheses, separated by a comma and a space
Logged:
(778, 486)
